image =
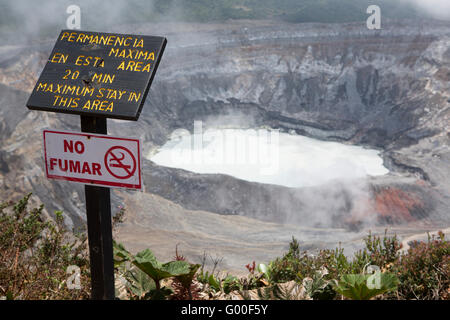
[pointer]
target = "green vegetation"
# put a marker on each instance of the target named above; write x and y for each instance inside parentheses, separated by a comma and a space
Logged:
(35, 255)
(145, 281)
(357, 286)
(423, 272)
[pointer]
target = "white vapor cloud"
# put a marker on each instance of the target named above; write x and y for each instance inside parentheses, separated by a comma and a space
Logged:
(439, 9)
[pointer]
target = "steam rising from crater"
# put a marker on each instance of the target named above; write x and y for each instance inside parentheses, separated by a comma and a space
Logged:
(439, 9)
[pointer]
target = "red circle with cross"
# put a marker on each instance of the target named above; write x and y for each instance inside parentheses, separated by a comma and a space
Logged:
(120, 162)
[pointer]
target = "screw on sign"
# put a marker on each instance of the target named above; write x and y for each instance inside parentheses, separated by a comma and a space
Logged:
(121, 165)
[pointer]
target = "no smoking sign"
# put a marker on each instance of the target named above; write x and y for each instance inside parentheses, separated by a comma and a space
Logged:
(93, 159)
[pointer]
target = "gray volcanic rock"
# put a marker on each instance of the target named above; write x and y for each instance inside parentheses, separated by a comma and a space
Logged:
(387, 89)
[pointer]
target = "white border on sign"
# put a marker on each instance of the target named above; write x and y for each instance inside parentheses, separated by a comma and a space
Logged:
(142, 189)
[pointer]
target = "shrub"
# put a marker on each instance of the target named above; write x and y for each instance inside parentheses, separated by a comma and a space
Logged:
(35, 254)
(183, 286)
(424, 271)
(148, 267)
(295, 265)
(380, 252)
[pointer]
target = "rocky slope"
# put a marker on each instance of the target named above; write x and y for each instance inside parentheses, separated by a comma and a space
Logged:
(387, 89)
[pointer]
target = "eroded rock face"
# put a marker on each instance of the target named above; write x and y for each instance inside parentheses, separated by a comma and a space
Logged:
(387, 89)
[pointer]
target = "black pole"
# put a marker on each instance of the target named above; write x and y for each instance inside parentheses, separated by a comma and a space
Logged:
(98, 211)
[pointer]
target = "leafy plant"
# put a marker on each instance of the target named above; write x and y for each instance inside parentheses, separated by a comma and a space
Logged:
(318, 288)
(424, 270)
(206, 278)
(121, 255)
(231, 283)
(139, 284)
(184, 286)
(147, 263)
(186, 281)
(254, 279)
(358, 286)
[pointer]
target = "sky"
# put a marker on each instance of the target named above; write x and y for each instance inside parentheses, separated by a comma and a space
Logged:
(439, 9)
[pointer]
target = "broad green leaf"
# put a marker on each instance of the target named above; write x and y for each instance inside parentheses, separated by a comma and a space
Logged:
(121, 253)
(139, 283)
(147, 262)
(356, 286)
(214, 283)
(176, 268)
(146, 256)
(186, 279)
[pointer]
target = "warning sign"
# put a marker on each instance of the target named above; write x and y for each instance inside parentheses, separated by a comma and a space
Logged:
(93, 159)
(98, 74)
(125, 170)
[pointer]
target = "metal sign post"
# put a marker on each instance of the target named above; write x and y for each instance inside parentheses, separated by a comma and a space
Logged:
(99, 76)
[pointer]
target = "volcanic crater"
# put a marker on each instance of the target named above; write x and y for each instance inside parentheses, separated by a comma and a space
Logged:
(386, 89)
